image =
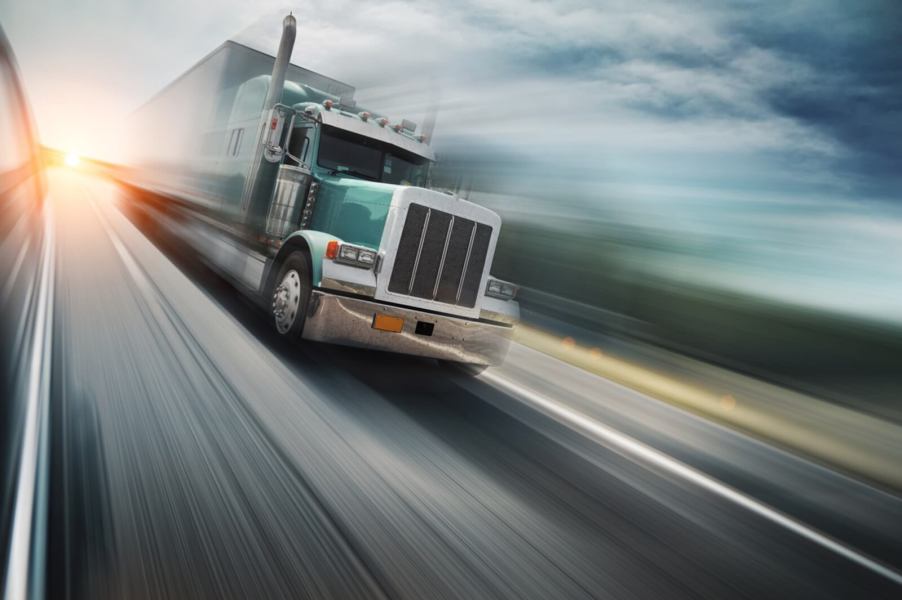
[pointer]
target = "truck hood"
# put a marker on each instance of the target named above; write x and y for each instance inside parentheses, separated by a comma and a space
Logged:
(353, 209)
(356, 210)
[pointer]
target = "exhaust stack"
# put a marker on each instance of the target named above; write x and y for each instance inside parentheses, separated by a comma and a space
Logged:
(280, 66)
(260, 182)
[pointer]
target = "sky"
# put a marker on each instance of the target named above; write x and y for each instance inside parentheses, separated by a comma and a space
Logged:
(773, 129)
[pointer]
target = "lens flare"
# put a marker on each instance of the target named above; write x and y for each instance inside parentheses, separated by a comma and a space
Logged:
(72, 159)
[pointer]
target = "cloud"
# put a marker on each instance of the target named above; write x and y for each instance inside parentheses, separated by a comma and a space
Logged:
(853, 91)
(642, 77)
(600, 77)
(751, 126)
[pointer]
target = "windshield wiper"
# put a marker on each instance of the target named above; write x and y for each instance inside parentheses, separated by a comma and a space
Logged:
(352, 173)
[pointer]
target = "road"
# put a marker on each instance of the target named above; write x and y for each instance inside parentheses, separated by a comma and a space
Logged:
(194, 454)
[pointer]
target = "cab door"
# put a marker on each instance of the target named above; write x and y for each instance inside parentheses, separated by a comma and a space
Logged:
(292, 184)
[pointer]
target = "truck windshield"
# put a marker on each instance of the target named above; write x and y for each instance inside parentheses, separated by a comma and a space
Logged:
(345, 152)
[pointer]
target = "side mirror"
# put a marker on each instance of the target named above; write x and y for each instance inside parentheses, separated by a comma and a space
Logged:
(272, 135)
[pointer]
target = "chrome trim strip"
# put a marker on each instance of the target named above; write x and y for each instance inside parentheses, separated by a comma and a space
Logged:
(348, 286)
(441, 264)
(498, 317)
(463, 274)
(416, 261)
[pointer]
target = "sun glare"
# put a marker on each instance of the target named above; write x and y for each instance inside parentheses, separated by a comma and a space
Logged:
(72, 159)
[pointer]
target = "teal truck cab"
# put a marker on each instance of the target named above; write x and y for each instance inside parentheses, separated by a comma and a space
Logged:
(322, 210)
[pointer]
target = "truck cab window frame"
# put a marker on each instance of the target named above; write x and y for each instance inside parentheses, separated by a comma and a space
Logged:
(344, 152)
(299, 146)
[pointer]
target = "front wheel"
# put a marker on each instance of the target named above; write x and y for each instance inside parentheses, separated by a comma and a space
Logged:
(290, 296)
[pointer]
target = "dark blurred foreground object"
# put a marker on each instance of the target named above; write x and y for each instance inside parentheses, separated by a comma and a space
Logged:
(21, 241)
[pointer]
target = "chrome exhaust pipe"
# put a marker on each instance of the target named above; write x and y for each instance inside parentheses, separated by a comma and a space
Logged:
(260, 183)
(280, 66)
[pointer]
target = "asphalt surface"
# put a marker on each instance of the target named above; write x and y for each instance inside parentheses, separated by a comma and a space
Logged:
(196, 455)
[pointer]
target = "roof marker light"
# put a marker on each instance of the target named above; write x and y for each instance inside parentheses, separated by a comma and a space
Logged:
(328, 104)
(365, 116)
(383, 122)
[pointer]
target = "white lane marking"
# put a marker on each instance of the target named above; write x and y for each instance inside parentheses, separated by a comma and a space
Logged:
(136, 272)
(637, 451)
(26, 519)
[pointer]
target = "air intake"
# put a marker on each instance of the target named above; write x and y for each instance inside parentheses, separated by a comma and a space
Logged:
(440, 257)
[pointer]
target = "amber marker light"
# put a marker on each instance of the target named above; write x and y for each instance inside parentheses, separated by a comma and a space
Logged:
(388, 323)
(332, 249)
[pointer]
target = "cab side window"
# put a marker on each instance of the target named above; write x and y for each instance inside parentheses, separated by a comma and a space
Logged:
(299, 146)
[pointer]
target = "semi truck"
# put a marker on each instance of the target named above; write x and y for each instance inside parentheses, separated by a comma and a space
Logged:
(322, 210)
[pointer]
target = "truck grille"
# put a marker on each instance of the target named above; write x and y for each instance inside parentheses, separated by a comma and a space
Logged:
(440, 257)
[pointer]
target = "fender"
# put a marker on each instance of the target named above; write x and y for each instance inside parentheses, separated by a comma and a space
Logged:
(314, 242)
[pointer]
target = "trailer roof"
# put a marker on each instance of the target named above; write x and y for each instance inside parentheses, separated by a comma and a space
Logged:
(308, 77)
(296, 73)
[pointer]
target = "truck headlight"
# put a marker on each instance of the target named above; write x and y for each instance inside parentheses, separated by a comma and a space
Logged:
(500, 289)
(349, 253)
(356, 256)
(366, 257)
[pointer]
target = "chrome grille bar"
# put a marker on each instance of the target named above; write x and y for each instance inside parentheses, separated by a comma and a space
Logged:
(460, 286)
(441, 264)
(440, 257)
(416, 262)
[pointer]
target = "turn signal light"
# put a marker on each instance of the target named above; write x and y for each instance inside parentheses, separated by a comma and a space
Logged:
(332, 249)
(388, 323)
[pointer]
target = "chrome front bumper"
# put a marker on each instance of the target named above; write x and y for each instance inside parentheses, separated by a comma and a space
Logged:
(349, 322)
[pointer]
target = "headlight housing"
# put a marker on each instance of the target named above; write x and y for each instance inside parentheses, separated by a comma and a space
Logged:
(355, 256)
(501, 290)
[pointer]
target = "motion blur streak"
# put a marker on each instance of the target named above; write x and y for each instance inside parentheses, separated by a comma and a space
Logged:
(197, 455)
(632, 448)
(25, 572)
(26, 311)
(689, 214)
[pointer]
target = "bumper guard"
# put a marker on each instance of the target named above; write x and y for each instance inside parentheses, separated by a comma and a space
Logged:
(349, 322)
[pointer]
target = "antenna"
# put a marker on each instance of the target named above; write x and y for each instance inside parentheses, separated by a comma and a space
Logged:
(431, 111)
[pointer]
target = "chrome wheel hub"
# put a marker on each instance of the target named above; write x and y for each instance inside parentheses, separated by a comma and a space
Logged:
(286, 301)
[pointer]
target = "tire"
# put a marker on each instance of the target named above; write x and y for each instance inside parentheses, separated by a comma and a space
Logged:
(467, 369)
(290, 296)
